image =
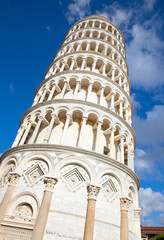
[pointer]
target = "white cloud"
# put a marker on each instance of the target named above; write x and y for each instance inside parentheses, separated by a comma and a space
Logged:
(149, 4)
(148, 222)
(77, 10)
(145, 55)
(48, 28)
(150, 201)
(118, 15)
(11, 87)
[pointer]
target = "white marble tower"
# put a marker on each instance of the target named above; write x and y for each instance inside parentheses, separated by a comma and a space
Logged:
(71, 166)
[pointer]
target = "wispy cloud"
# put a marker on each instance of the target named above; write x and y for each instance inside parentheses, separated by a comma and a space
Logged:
(149, 4)
(11, 87)
(48, 28)
(118, 15)
(77, 10)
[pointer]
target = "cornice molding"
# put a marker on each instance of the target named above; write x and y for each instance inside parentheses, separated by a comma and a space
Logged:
(91, 154)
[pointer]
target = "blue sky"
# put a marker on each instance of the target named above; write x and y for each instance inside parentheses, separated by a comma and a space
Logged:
(32, 32)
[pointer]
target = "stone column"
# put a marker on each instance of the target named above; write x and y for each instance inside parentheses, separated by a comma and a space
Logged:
(72, 64)
(96, 48)
(129, 155)
(80, 143)
(63, 65)
(101, 95)
(97, 145)
(94, 65)
(137, 214)
(63, 90)
(43, 95)
(48, 133)
(121, 109)
(103, 68)
(87, 48)
(122, 148)
(120, 80)
(36, 130)
(36, 99)
(127, 114)
(124, 206)
(113, 74)
(112, 101)
(89, 91)
(13, 179)
(90, 215)
(26, 133)
(76, 89)
(65, 128)
(112, 129)
(83, 63)
(52, 92)
(113, 55)
(19, 135)
(41, 221)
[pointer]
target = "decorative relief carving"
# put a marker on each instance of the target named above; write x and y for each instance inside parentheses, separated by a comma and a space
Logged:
(13, 178)
(50, 182)
(109, 189)
(137, 214)
(6, 172)
(124, 204)
(23, 213)
(93, 191)
(74, 179)
(34, 174)
(14, 233)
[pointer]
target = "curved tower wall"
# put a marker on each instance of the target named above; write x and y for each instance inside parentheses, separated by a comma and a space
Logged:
(78, 132)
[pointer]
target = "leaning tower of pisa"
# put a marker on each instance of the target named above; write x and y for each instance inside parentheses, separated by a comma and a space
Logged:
(69, 174)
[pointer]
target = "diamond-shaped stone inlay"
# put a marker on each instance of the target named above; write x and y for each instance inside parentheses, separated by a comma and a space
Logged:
(74, 179)
(109, 189)
(34, 174)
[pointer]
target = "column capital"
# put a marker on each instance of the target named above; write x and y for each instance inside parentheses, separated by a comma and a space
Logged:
(92, 191)
(112, 93)
(84, 118)
(13, 178)
(112, 129)
(50, 182)
(137, 213)
(22, 127)
(53, 115)
(99, 122)
(124, 203)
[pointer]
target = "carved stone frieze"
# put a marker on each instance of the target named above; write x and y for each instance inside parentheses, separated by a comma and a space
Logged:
(34, 174)
(110, 189)
(74, 178)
